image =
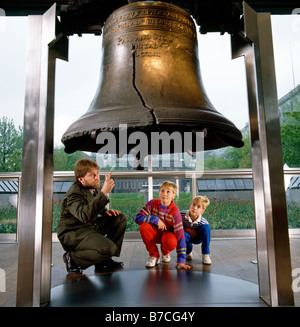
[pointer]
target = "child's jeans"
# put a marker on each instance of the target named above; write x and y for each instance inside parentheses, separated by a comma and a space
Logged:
(152, 236)
(203, 236)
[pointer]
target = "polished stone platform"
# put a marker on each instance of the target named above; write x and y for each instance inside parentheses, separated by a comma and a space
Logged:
(155, 287)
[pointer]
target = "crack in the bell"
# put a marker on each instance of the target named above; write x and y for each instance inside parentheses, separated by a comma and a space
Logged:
(151, 110)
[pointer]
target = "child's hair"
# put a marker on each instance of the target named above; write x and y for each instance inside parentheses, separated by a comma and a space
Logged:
(170, 185)
(203, 200)
(83, 166)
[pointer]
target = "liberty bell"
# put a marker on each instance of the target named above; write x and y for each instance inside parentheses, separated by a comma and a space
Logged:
(150, 82)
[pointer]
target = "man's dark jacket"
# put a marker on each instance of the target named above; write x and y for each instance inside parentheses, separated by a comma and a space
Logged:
(80, 212)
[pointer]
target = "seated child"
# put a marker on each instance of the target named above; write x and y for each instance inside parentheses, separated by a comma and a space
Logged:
(196, 228)
(160, 223)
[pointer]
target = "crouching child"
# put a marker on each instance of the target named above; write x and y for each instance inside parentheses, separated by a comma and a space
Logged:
(196, 228)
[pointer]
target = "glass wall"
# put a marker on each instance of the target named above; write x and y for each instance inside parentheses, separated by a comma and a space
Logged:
(9, 193)
(231, 202)
(129, 196)
(8, 206)
(293, 200)
(231, 197)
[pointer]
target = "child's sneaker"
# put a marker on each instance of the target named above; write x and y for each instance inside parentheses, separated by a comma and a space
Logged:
(152, 262)
(189, 256)
(166, 258)
(206, 259)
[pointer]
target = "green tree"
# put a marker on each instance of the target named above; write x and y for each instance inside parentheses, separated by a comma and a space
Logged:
(64, 161)
(10, 146)
(290, 137)
(245, 160)
(230, 157)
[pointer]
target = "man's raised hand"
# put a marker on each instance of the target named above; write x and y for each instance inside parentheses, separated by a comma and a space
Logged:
(108, 184)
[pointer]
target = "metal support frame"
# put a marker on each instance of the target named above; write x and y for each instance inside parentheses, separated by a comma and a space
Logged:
(35, 220)
(273, 248)
(34, 228)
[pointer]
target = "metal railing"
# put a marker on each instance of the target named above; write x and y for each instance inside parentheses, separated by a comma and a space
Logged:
(174, 174)
(150, 176)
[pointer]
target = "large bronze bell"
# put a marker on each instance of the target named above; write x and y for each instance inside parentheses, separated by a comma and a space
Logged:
(150, 81)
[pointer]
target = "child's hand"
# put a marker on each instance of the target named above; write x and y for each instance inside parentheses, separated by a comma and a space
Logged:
(191, 231)
(161, 225)
(182, 265)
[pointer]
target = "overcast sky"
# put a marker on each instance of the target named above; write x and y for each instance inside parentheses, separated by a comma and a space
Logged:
(76, 80)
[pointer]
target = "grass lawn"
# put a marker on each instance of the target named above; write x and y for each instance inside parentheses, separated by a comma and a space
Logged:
(222, 213)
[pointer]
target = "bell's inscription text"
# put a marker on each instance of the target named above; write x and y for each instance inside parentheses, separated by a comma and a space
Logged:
(148, 42)
(143, 19)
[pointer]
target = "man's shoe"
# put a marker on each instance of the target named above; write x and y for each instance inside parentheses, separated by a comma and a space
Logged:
(152, 262)
(206, 259)
(70, 264)
(109, 264)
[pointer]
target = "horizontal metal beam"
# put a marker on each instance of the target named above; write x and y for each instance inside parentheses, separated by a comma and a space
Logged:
(211, 173)
(38, 7)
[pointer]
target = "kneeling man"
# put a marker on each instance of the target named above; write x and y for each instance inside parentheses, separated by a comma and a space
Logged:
(89, 233)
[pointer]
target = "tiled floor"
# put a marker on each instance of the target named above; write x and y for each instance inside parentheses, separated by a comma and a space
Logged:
(232, 263)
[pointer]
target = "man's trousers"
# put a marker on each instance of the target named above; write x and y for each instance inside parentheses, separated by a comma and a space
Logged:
(102, 243)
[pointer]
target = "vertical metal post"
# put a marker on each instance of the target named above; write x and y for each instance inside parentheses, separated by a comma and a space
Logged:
(150, 178)
(194, 186)
(273, 250)
(240, 47)
(178, 188)
(35, 220)
(18, 208)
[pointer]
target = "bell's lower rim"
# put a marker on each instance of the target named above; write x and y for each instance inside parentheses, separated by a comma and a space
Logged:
(86, 139)
(137, 118)
(214, 139)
